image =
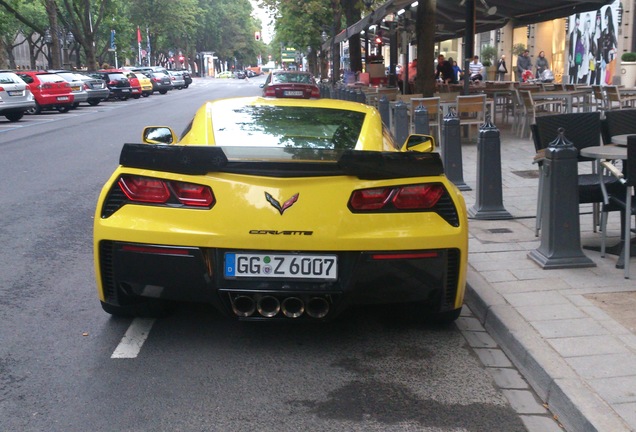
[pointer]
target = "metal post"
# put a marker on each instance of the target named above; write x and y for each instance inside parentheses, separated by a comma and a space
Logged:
(560, 229)
(383, 107)
(421, 122)
(489, 202)
(452, 151)
(401, 118)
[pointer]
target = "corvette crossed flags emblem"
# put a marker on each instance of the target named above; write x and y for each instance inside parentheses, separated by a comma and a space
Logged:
(281, 208)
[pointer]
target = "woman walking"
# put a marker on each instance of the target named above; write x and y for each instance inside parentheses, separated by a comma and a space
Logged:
(502, 70)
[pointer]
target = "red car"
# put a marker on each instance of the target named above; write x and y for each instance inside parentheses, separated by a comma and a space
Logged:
(50, 91)
(291, 84)
(135, 85)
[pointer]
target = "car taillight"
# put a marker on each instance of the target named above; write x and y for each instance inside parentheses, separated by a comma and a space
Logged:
(86, 87)
(370, 199)
(270, 92)
(1, 88)
(409, 197)
(315, 92)
(144, 189)
(193, 194)
(418, 196)
(157, 191)
(45, 86)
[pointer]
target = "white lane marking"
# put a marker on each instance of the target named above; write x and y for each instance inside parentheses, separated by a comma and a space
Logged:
(134, 338)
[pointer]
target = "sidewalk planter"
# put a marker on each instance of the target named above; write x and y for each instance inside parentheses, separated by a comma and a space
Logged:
(628, 69)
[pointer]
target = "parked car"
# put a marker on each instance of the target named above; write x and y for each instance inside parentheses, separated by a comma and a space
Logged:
(15, 96)
(77, 85)
(291, 84)
(225, 74)
(135, 85)
(95, 87)
(161, 81)
(144, 82)
(50, 91)
(178, 81)
(117, 83)
(315, 229)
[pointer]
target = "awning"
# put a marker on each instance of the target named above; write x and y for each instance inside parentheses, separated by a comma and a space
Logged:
(451, 15)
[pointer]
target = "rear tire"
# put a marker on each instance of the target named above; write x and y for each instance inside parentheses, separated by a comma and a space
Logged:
(14, 116)
(37, 109)
(163, 91)
(93, 102)
(63, 109)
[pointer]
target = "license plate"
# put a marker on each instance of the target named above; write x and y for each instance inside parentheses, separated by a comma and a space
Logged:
(15, 93)
(281, 266)
(125, 90)
(62, 98)
(293, 93)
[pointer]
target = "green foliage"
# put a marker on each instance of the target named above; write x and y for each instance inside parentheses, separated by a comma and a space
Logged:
(518, 49)
(629, 57)
(488, 54)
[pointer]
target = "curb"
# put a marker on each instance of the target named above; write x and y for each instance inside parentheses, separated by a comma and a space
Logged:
(575, 405)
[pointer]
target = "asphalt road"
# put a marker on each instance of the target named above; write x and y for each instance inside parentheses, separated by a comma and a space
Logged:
(195, 370)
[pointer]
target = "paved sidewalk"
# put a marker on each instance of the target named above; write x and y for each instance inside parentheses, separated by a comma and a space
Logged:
(557, 326)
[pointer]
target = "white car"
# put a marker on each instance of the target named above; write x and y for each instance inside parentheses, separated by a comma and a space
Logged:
(15, 96)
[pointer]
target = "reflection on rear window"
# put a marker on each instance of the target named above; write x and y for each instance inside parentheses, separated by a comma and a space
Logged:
(286, 127)
(291, 78)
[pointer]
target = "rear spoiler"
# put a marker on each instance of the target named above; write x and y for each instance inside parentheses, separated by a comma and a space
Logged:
(200, 160)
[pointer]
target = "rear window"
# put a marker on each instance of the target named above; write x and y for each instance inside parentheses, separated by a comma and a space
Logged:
(50, 78)
(116, 76)
(281, 78)
(10, 78)
(288, 127)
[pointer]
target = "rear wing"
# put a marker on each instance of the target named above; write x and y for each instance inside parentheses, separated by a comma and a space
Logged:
(200, 160)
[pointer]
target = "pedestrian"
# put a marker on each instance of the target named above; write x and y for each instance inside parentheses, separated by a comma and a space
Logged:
(523, 64)
(445, 72)
(475, 69)
(542, 64)
(502, 69)
(458, 72)
(412, 75)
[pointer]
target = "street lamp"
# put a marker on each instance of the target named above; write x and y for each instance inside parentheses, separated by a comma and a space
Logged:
(68, 40)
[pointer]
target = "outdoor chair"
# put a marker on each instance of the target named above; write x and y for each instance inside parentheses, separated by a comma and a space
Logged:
(624, 201)
(618, 122)
(615, 100)
(599, 102)
(532, 110)
(583, 130)
(433, 107)
(471, 111)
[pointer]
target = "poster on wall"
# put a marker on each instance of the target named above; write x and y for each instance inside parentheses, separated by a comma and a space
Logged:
(592, 46)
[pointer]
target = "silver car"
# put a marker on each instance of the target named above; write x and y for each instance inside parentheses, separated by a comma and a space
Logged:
(96, 89)
(77, 85)
(178, 81)
(15, 96)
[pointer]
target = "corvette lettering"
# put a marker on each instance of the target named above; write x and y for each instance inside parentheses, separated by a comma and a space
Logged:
(290, 233)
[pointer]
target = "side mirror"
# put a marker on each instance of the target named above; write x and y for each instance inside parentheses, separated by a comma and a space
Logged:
(419, 143)
(262, 85)
(158, 135)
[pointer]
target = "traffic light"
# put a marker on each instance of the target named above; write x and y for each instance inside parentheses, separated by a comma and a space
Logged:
(378, 39)
(257, 35)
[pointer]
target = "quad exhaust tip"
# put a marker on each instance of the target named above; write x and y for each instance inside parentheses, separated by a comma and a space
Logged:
(268, 306)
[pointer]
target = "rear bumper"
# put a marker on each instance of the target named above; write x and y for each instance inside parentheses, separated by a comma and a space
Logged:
(196, 275)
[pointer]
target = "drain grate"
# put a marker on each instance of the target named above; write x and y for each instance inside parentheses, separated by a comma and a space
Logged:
(527, 174)
(499, 230)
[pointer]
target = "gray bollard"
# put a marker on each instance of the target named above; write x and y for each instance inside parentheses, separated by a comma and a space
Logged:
(401, 120)
(361, 97)
(560, 229)
(489, 197)
(421, 122)
(452, 151)
(384, 108)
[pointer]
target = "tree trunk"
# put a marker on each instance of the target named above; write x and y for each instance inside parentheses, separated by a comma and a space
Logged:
(51, 12)
(425, 36)
(352, 16)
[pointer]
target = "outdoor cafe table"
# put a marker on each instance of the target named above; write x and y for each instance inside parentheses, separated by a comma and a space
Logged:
(566, 95)
(621, 139)
(611, 152)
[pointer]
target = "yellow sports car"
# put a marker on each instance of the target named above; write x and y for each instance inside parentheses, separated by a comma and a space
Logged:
(280, 209)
